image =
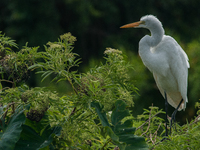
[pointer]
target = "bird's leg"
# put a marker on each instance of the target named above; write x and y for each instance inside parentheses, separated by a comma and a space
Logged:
(166, 107)
(174, 114)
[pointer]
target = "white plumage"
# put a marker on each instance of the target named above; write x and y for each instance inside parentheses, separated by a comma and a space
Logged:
(164, 57)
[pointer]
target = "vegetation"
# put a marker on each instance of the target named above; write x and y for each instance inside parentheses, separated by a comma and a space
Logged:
(96, 26)
(94, 113)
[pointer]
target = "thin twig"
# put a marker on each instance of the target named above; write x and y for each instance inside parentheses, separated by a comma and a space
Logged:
(70, 82)
(13, 107)
(196, 120)
(6, 81)
(150, 136)
(147, 121)
(148, 124)
(7, 109)
(106, 144)
(4, 88)
(73, 111)
(12, 82)
(155, 133)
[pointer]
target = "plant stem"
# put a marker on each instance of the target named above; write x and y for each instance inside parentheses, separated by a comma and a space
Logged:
(6, 81)
(70, 82)
(106, 144)
(147, 121)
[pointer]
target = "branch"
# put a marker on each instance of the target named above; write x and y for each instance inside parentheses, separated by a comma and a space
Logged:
(148, 124)
(196, 120)
(156, 133)
(13, 83)
(6, 81)
(4, 88)
(106, 144)
(147, 121)
(151, 137)
(73, 111)
(71, 84)
(4, 115)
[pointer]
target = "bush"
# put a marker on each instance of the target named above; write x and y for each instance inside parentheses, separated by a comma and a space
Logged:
(95, 114)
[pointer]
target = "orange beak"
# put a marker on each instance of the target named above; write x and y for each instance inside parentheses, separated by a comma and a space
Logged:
(132, 25)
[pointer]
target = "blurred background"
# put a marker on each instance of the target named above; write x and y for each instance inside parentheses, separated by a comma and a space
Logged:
(96, 25)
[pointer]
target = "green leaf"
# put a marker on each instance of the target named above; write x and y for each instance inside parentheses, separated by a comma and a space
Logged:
(31, 140)
(122, 134)
(119, 112)
(134, 142)
(46, 74)
(125, 131)
(110, 132)
(48, 134)
(1, 87)
(102, 115)
(12, 131)
(35, 66)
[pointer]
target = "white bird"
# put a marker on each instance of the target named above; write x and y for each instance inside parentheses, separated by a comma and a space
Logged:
(165, 58)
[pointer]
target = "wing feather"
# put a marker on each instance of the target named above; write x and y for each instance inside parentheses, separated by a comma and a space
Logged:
(175, 72)
(180, 69)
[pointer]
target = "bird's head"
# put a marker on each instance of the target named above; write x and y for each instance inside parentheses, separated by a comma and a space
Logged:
(148, 21)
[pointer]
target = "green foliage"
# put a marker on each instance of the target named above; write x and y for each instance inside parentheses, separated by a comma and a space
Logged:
(150, 117)
(11, 128)
(14, 66)
(6, 43)
(96, 115)
(122, 134)
(193, 51)
(106, 84)
(15, 134)
(100, 83)
(31, 140)
(96, 26)
(58, 58)
(186, 137)
(197, 105)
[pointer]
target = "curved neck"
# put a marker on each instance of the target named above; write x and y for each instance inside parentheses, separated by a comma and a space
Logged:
(157, 33)
(148, 42)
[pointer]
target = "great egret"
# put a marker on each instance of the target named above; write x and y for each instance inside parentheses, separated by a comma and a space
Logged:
(164, 57)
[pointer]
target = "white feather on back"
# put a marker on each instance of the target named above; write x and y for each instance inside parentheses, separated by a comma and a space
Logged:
(174, 79)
